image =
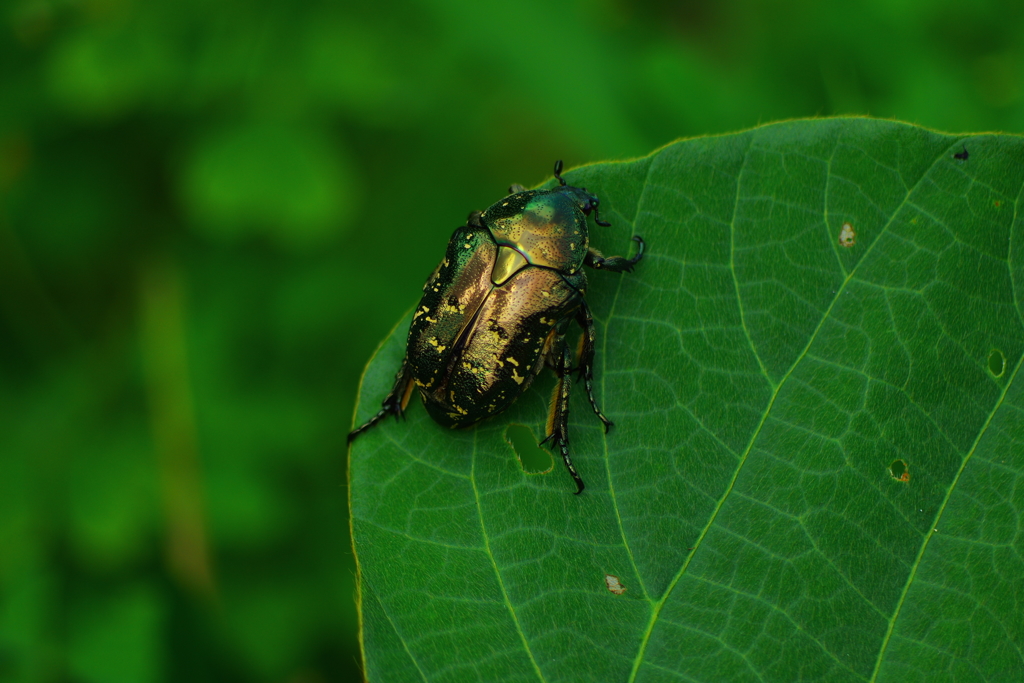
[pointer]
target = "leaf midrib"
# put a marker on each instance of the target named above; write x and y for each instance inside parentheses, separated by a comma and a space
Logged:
(656, 612)
(935, 525)
(963, 465)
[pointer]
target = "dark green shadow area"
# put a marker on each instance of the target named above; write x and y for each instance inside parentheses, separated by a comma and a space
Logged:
(996, 362)
(533, 458)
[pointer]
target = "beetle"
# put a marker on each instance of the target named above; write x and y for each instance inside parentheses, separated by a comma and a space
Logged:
(497, 308)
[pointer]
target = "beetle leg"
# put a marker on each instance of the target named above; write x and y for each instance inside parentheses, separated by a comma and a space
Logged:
(616, 264)
(597, 218)
(585, 355)
(394, 403)
(558, 173)
(558, 417)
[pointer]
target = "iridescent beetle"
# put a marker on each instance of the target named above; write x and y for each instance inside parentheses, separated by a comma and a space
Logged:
(497, 308)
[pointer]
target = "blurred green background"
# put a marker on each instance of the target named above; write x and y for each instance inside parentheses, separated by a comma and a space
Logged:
(211, 213)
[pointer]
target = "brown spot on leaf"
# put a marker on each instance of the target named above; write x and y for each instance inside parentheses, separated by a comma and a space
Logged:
(614, 585)
(847, 235)
(899, 470)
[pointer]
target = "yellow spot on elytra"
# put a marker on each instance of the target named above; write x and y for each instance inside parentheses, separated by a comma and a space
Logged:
(572, 245)
(468, 246)
(513, 361)
(448, 308)
(545, 294)
(517, 378)
(433, 342)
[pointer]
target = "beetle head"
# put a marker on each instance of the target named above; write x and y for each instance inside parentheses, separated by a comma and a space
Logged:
(585, 200)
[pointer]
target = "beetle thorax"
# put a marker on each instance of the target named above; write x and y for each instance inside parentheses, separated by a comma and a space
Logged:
(541, 228)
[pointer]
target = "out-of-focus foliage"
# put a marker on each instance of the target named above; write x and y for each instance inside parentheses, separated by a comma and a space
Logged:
(210, 213)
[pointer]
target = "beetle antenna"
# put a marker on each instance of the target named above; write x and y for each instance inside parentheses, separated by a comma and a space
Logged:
(558, 172)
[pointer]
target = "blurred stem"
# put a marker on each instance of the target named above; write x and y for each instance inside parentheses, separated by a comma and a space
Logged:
(165, 361)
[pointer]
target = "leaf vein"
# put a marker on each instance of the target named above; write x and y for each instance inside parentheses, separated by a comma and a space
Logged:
(494, 564)
(938, 516)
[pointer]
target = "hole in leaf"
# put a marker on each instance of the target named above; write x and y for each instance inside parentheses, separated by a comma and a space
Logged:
(847, 236)
(899, 470)
(996, 362)
(533, 458)
(614, 585)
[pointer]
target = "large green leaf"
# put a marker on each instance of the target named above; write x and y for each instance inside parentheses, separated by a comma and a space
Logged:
(816, 469)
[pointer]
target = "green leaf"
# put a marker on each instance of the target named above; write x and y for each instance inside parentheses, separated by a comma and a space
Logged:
(817, 468)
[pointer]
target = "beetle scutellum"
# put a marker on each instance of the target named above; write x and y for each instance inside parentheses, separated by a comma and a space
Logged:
(497, 308)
